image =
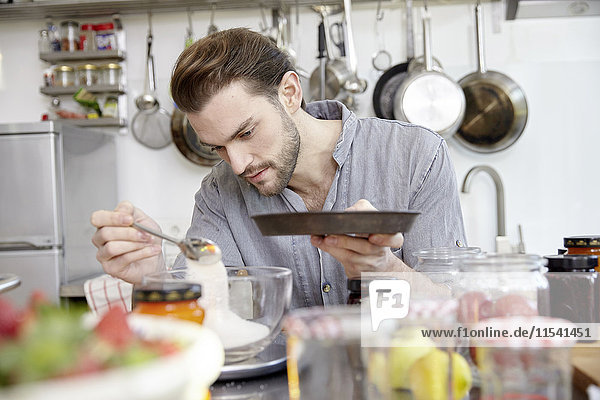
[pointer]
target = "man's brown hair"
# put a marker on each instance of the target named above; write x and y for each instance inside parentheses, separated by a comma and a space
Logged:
(214, 62)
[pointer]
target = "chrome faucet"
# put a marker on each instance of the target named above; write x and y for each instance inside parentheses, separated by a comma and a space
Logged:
(500, 214)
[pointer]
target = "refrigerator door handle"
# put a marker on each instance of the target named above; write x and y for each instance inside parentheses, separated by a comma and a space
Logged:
(8, 282)
(21, 245)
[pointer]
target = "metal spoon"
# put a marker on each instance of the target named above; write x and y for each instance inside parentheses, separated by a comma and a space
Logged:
(192, 248)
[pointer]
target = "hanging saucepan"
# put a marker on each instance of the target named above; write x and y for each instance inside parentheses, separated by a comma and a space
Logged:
(340, 72)
(387, 85)
(496, 106)
(336, 72)
(428, 97)
(187, 143)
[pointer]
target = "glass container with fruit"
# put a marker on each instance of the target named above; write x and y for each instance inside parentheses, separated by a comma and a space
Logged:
(499, 285)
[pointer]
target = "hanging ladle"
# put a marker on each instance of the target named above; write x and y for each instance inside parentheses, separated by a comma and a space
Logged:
(193, 249)
(146, 101)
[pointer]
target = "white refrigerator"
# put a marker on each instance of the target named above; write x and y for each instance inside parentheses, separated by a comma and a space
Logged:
(52, 177)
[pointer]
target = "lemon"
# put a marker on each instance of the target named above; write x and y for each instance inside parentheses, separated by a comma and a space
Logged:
(429, 376)
(403, 354)
(377, 364)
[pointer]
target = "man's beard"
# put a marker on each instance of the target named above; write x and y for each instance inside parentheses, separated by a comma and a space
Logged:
(285, 164)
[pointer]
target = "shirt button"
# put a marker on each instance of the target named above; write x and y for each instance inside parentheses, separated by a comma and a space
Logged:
(326, 288)
(459, 243)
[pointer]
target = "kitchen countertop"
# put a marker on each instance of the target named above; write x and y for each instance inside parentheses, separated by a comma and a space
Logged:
(268, 387)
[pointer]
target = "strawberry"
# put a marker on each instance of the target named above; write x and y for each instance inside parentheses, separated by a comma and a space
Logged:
(9, 320)
(114, 329)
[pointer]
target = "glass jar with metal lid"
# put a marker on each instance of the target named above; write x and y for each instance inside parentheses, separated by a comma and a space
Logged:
(110, 74)
(64, 76)
(584, 245)
(169, 298)
(87, 75)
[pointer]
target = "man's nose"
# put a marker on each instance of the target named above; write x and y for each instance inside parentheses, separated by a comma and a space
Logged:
(238, 159)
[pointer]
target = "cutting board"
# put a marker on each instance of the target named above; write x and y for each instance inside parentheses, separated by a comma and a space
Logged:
(585, 359)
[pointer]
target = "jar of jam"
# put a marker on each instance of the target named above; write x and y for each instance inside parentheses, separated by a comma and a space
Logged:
(174, 299)
(583, 245)
(574, 287)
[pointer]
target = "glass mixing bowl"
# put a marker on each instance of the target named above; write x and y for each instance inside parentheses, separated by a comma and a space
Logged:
(261, 295)
(250, 317)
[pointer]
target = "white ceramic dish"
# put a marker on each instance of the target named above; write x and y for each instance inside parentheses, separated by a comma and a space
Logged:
(184, 375)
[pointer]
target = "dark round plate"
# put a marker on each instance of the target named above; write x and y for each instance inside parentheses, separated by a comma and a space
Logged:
(330, 223)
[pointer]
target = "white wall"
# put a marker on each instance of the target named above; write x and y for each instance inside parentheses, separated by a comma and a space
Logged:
(549, 174)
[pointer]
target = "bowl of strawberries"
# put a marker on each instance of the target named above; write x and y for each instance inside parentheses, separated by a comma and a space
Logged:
(48, 352)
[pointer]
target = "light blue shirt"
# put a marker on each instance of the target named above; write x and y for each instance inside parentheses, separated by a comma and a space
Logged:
(395, 165)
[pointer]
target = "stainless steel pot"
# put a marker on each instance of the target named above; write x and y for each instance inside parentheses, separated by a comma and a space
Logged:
(187, 143)
(496, 107)
(428, 97)
(340, 72)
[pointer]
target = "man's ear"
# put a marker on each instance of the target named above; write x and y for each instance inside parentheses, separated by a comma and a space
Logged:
(290, 92)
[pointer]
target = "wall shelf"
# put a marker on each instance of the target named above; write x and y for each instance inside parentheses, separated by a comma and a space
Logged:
(96, 122)
(58, 91)
(94, 8)
(67, 56)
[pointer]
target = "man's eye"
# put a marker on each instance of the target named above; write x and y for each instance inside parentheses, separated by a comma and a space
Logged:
(246, 134)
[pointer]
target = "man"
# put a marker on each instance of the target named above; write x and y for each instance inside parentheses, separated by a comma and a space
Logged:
(243, 98)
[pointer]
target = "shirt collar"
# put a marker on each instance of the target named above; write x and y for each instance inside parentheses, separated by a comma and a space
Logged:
(334, 110)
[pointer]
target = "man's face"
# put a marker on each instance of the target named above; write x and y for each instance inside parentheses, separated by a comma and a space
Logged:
(256, 138)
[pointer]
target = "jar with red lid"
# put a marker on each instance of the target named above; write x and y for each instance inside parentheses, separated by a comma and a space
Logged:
(105, 36)
(174, 299)
(589, 245)
(87, 37)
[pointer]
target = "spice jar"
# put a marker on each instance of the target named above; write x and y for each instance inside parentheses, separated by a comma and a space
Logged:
(44, 45)
(174, 299)
(64, 76)
(87, 75)
(111, 107)
(110, 74)
(583, 245)
(105, 36)
(87, 38)
(69, 32)
(574, 287)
